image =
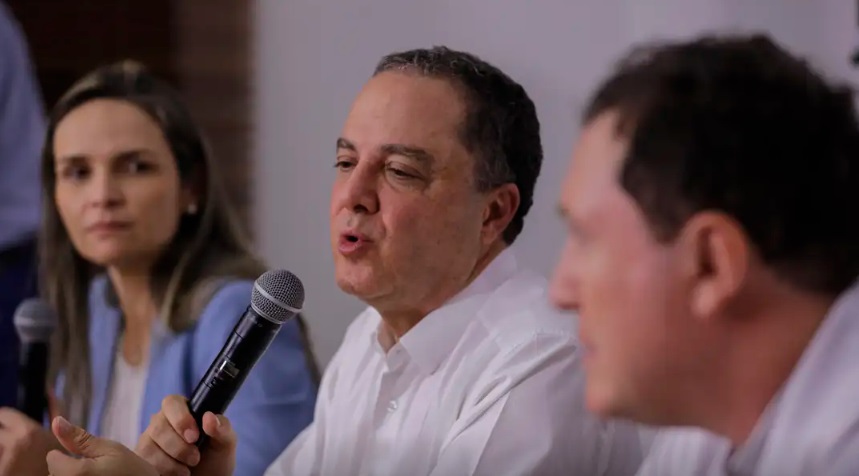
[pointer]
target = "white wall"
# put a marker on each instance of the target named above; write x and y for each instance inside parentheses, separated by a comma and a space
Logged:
(313, 56)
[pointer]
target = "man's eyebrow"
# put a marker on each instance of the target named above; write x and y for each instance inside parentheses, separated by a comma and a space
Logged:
(417, 153)
(571, 221)
(345, 144)
(413, 152)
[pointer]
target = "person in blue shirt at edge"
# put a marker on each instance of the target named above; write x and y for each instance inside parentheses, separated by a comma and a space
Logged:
(22, 129)
(146, 266)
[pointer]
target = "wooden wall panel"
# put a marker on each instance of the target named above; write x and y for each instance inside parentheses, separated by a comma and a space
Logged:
(213, 60)
(69, 38)
(201, 46)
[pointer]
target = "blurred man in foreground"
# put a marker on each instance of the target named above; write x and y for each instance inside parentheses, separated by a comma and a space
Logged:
(712, 252)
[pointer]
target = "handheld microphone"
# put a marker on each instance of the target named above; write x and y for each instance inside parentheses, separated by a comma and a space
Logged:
(34, 322)
(277, 296)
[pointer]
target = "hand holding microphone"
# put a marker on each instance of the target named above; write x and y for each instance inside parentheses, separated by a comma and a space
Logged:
(170, 443)
(176, 435)
(24, 442)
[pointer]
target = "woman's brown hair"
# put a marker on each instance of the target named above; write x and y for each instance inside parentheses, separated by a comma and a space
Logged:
(209, 246)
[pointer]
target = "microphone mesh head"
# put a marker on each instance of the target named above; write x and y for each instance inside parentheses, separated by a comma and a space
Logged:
(278, 295)
(34, 321)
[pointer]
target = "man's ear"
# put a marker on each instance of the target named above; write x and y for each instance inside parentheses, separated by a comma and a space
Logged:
(715, 255)
(499, 210)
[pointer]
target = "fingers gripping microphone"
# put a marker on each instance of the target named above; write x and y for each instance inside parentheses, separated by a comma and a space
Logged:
(34, 322)
(277, 296)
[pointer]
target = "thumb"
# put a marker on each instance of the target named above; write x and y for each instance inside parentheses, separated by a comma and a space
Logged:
(78, 441)
(220, 430)
(60, 464)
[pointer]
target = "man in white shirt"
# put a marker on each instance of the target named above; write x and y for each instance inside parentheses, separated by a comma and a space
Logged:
(459, 366)
(712, 254)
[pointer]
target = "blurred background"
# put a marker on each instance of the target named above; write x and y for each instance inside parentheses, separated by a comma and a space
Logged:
(271, 81)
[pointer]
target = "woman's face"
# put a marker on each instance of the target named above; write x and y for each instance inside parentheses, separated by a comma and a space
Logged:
(118, 190)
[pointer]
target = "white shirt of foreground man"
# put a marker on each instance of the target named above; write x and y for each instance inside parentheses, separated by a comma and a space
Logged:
(819, 405)
(488, 384)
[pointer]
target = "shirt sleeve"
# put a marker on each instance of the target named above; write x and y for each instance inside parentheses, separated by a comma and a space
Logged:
(532, 420)
(304, 455)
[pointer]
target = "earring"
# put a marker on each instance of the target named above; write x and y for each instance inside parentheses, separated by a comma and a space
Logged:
(192, 209)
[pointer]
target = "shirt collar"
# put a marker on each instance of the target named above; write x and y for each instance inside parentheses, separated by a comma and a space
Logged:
(789, 405)
(743, 460)
(435, 336)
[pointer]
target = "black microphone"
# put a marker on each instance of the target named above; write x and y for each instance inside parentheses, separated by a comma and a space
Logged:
(34, 321)
(277, 296)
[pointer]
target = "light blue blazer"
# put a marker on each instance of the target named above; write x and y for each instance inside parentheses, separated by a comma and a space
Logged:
(274, 404)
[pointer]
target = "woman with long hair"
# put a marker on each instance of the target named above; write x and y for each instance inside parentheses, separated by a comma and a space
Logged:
(144, 262)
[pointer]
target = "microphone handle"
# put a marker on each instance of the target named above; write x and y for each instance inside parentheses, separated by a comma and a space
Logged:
(32, 374)
(248, 341)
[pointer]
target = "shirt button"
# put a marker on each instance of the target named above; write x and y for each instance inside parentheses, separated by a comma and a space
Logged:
(392, 406)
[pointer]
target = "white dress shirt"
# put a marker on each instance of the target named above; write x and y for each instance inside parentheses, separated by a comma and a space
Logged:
(811, 427)
(489, 384)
